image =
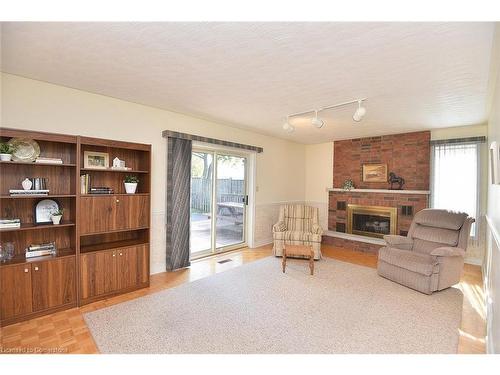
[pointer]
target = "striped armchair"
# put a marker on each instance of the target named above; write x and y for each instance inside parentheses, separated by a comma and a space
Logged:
(298, 225)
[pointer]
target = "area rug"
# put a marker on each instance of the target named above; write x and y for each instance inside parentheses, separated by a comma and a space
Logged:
(255, 308)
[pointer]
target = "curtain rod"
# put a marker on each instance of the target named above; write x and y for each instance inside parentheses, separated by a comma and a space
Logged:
(192, 137)
(481, 139)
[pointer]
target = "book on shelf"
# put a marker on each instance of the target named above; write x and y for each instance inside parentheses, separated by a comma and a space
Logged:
(84, 183)
(101, 190)
(39, 253)
(10, 223)
(38, 250)
(46, 160)
(29, 192)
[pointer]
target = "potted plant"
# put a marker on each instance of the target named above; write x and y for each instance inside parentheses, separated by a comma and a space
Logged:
(131, 184)
(6, 151)
(57, 216)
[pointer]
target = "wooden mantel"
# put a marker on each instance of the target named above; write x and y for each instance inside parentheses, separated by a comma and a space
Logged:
(382, 191)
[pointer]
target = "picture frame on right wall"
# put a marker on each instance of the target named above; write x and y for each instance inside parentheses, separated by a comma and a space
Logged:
(494, 172)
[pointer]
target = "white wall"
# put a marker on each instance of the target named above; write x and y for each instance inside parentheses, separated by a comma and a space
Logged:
(319, 177)
(34, 105)
(491, 269)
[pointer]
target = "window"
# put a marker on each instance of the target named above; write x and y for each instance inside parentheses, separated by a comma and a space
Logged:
(455, 178)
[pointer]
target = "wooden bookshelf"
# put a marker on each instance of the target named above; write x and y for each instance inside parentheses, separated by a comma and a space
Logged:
(102, 241)
(114, 229)
(36, 286)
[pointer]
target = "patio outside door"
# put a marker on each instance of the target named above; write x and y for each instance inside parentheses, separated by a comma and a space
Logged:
(218, 202)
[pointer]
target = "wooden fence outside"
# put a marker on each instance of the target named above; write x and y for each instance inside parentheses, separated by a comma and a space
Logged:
(228, 190)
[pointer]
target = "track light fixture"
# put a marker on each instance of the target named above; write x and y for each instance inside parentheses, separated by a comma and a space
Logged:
(319, 123)
(287, 126)
(360, 112)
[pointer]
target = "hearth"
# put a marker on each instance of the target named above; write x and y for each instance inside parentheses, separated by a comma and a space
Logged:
(371, 221)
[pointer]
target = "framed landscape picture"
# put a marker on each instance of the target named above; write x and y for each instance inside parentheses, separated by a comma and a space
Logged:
(95, 160)
(374, 172)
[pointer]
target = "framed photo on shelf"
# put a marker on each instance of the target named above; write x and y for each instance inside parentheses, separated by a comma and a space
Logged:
(95, 160)
(44, 210)
(374, 172)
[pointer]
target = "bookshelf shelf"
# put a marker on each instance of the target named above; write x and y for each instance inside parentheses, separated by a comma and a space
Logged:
(31, 164)
(92, 170)
(37, 196)
(21, 259)
(29, 226)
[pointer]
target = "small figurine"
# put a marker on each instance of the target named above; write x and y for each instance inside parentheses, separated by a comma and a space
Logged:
(393, 179)
(117, 163)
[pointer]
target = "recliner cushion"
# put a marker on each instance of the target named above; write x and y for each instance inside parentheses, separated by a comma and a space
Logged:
(438, 235)
(432, 217)
(416, 262)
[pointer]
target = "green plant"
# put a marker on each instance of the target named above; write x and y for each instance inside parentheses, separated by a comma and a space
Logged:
(5, 148)
(58, 212)
(131, 179)
(348, 184)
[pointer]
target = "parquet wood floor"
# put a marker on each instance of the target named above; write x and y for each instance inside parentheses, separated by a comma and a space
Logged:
(66, 331)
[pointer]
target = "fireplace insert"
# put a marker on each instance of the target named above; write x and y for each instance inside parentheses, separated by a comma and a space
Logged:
(371, 221)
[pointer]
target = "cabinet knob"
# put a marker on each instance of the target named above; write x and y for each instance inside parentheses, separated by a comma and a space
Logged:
(26, 270)
(114, 254)
(36, 268)
(121, 254)
(117, 201)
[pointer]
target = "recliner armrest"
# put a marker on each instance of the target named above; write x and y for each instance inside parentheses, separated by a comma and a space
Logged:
(398, 242)
(280, 226)
(446, 251)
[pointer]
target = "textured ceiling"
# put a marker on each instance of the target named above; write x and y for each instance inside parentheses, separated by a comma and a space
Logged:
(251, 75)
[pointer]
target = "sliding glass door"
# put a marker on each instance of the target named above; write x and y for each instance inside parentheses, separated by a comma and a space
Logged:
(218, 202)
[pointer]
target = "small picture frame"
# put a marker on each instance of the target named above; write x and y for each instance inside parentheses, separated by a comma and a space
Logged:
(43, 211)
(95, 160)
(374, 172)
(494, 155)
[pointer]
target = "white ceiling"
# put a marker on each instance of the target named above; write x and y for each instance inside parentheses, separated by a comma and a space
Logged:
(251, 75)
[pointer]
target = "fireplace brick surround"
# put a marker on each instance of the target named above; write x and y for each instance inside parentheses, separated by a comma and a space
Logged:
(407, 155)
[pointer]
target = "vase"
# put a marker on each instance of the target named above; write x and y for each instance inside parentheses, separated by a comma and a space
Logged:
(56, 219)
(5, 157)
(130, 187)
(27, 184)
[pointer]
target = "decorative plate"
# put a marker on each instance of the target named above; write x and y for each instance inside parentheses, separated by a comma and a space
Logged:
(25, 149)
(44, 209)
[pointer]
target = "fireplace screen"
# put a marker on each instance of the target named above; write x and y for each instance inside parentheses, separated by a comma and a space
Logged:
(371, 221)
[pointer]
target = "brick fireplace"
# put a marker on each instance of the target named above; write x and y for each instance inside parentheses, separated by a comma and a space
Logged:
(407, 155)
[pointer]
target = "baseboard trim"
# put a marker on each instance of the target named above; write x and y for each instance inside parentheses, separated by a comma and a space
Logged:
(261, 243)
(473, 261)
(490, 347)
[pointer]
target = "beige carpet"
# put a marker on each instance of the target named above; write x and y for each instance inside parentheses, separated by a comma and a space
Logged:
(256, 308)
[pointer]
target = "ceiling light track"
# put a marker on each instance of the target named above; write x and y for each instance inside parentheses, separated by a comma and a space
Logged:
(318, 123)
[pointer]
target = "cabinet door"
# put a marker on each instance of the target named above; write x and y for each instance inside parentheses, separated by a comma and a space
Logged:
(97, 214)
(126, 267)
(53, 283)
(16, 291)
(143, 264)
(97, 273)
(132, 211)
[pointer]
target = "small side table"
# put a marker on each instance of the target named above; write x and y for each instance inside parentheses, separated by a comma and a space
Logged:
(304, 251)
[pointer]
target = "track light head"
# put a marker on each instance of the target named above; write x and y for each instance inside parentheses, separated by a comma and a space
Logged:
(316, 121)
(360, 112)
(288, 127)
